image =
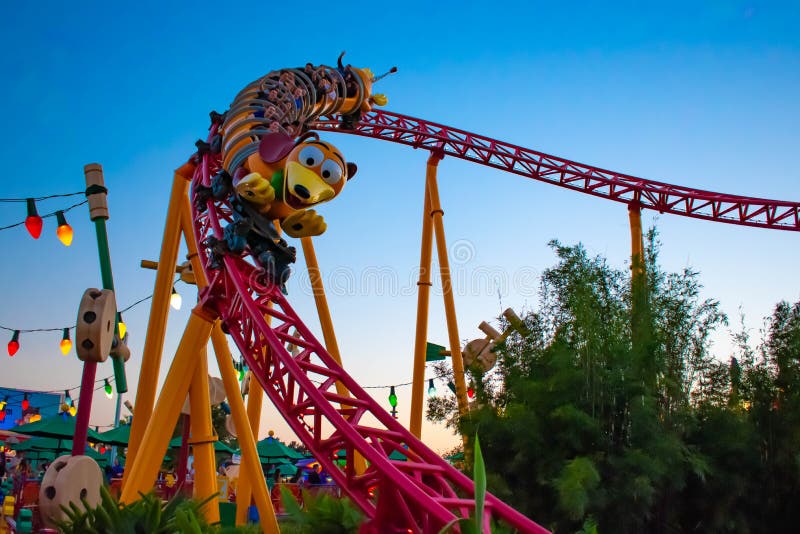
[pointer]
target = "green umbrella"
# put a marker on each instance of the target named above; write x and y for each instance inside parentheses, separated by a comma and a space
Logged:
(286, 470)
(53, 427)
(119, 436)
(271, 450)
(175, 443)
(44, 444)
(49, 448)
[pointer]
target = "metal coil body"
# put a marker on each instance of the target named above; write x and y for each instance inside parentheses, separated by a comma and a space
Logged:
(286, 101)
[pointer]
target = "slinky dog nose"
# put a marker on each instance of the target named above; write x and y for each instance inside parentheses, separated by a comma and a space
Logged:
(302, 192)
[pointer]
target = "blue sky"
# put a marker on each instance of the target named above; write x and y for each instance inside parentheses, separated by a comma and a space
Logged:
(701, 94)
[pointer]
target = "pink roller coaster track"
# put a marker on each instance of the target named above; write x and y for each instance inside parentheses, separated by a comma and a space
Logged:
(665, 198)
(424, 492)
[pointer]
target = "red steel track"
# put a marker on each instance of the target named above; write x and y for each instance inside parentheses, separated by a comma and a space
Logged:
(665, 198)
(421, 494)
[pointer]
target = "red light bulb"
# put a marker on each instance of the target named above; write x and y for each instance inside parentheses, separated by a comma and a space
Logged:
(33, 222)
(471, 392)
(13, 345)
(26, 403)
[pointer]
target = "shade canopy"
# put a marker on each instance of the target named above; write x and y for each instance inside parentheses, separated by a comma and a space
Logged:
(44, 448)
(287, 470)
(119, 436)
(272, 450)
(53, 427)
(175, 443)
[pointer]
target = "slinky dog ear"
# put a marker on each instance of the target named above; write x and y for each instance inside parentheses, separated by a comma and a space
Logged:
(275, 146)
(352, 168)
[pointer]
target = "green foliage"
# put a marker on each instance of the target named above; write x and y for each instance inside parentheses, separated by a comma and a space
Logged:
(578, 478)
(148, 515)
(614, 415)
(321, 514)
(474, 524)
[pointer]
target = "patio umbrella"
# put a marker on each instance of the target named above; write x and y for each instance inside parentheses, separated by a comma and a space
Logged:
(175, 443)
(119, 436)
(271, 450)
(49, 448)
(53, 427)
(44, 444)
(286, 470)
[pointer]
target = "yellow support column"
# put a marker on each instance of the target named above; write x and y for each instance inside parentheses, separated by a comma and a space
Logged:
(244, 487)
(447, 293)
(423, 297)
(143, 470)
(256, 397)
(159, 309)
(269, 523)
(324, 312)
(637, 241)
(328, 334)
(203, 438)
(638, 285)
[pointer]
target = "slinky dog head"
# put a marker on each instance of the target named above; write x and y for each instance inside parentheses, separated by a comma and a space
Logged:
(314, 171)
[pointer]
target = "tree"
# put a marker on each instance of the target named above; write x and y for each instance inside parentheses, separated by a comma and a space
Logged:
(614, 413)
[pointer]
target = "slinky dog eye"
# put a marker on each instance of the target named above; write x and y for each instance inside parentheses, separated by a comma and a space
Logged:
(310, 156)
(331, 172)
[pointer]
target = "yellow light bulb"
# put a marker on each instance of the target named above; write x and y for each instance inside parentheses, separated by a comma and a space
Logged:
(123, 329)
(66, 343)
(175, 299)
(64, 230)
(64, 234)
(73, 410)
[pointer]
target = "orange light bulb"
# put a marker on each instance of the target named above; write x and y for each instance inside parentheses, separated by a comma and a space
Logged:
(66, 343)
(64, 230)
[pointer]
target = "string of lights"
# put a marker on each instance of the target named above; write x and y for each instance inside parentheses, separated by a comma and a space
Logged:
(22, 392)
(34, 222)
(66, 342)
(47, 197)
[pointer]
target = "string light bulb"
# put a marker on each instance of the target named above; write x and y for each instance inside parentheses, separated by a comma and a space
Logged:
(25, 403)
(123, 329)
(431, 388)
(392, 398)
(33, 222)
(67, 398)
(3, 404)
(108, 389)
(471, 392)
(73, 410)
(66, 343)
(13, 345)
(64, 230)
(175, 299)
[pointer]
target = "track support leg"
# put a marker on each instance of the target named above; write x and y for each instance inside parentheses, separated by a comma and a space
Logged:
(159, 310)
(423, 298)
(144, 468)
